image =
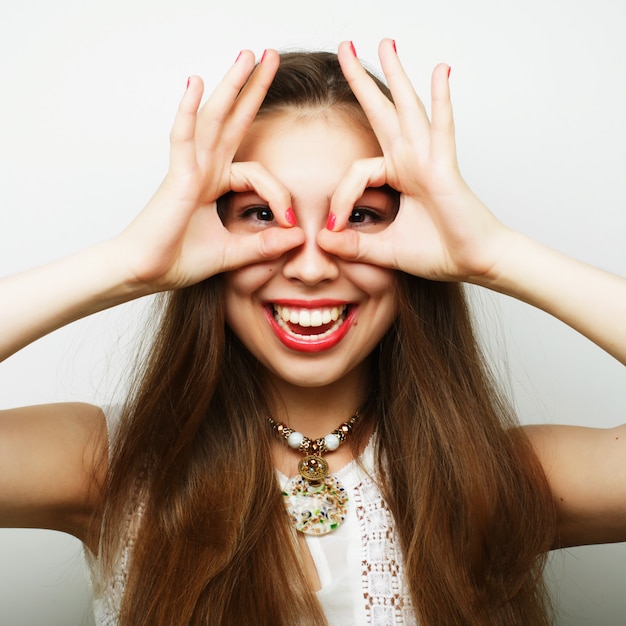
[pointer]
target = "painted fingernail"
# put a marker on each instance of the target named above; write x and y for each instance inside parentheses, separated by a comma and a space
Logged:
(449, 70)
(263, 56)
(188, 82)
(237, 59)
(330, 224)
(353, 48)
(393, 41)
(290, 216)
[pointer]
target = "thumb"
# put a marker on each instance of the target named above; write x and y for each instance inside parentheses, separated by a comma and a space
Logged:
(263, 246)
(345, 244)
(358, 247)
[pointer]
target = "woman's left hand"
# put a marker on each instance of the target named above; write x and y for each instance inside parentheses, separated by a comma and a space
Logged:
(442, 230)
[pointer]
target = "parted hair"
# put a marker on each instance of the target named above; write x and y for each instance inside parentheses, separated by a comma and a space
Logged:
(191, 461)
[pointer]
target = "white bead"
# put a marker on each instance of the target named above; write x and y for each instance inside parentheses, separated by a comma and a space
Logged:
(295, 439)
(332, 442)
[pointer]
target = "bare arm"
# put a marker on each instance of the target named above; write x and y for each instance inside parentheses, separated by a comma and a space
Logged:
(52, 462)
(588, 299)
(586, 471)
(41, 300)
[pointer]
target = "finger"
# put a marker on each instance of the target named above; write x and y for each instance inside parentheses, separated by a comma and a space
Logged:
(252, 95)
(215, 111)
(182, 135)
(379, 110)
(442, 127)
(345, 244)
(259, 247)
(411, 111)
(227, 116)
(248, 176)
(353, 246)
(362, 174)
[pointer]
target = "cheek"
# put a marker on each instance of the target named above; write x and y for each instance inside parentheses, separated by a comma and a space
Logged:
(377, 282)
(249, 279)
(241, 308)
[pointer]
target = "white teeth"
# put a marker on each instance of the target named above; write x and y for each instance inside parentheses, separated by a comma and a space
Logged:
(316, 318)
(305, 318)
(309, 318)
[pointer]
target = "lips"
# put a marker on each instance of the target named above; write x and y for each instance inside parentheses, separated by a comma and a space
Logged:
(310, 328)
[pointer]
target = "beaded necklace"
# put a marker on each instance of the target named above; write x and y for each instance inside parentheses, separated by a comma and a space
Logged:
(315, 499)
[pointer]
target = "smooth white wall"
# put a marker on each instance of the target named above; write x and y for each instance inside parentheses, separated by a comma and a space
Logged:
(88, 94)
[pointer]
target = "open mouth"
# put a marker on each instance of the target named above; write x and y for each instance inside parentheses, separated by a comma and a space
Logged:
(310, 324)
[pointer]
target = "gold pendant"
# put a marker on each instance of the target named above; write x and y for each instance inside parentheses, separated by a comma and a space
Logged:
(313, 468)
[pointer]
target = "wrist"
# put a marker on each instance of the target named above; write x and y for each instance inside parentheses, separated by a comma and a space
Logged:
(498, 258)
(113, 271)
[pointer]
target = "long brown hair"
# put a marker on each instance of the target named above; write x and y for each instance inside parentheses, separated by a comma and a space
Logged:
(470, 503)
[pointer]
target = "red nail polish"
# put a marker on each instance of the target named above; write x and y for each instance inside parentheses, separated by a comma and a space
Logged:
(353, 48)
(237, 59)
(449, 70)
(263, 56)
(330, 224)
(188, 82)
(290, 216)
(393, 41)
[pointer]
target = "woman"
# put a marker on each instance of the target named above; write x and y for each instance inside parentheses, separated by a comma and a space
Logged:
(311, 235)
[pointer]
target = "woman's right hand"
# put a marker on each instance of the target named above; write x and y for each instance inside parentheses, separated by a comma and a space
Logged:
(179, 239)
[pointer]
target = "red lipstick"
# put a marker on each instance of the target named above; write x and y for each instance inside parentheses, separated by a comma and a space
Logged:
(308, 341)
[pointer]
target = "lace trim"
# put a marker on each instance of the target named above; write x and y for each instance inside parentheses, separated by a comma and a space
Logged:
(108, 593)
(386, 600)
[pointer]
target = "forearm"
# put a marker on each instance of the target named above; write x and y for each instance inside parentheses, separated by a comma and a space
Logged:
(588, 299)
(38, 301)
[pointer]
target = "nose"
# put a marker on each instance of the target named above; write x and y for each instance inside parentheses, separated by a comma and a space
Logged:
(309, 263)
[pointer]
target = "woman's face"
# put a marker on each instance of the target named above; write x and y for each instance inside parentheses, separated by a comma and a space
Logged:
(309, 317)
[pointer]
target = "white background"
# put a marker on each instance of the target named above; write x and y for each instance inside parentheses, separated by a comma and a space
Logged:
(89, 89)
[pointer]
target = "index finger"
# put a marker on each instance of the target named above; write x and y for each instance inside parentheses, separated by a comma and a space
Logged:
(362, 174)
(379, 110)
(249, 176)
(232, 107)
(411, 112)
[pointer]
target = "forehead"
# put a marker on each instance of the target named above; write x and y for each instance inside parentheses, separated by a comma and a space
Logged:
(291, 145)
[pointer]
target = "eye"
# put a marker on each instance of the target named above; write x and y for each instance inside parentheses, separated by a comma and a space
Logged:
(259, 213)
(361, 215)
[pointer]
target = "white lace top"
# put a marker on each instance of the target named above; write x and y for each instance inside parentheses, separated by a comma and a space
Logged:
(359, 564)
